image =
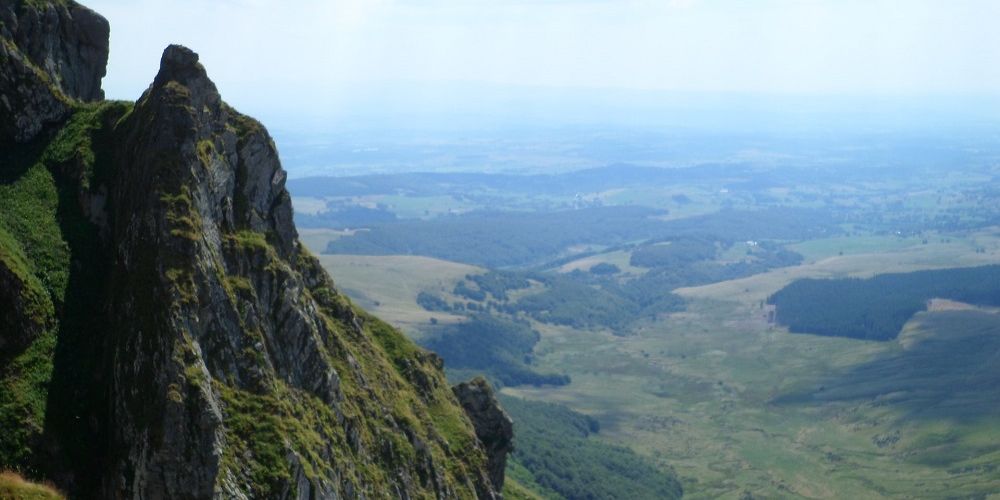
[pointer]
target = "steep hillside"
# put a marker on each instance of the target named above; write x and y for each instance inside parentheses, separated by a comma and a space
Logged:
(164, 333)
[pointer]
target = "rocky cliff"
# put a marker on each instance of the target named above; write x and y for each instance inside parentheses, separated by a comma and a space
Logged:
(52, 52)
(493, 425)
(164, 333)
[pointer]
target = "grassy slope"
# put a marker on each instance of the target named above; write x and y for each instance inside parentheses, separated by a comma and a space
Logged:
(317, 239)
(619, 258)
(388, 286)
(15, 487)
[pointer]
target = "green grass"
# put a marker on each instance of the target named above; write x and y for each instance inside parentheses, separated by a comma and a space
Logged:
(257, 432)
(28, 215)
(619, 258)
(250, 240)
(23, 399)
(388, 286)
(814, 250)
(206, 152)
(316, 240)
(181, 215)
(33, 248)
(15, 487)
(34, 298)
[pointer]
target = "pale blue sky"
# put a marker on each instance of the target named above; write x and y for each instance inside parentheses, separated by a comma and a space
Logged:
(316, 55)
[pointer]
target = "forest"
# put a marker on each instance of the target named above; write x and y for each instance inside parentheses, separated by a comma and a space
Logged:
(496, 347)
(555, 447)
(878, 307)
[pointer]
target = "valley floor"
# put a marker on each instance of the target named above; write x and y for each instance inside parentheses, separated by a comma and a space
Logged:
(738, 405)
(735, 404)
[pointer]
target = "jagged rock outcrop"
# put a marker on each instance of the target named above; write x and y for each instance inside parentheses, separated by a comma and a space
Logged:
(66, 40)
(235, 314)
(494, 427)
(157, 296)
(52, 53)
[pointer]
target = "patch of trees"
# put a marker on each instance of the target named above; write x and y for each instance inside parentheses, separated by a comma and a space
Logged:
(566, 301)
(498, 284)
(676, 252)
(652, 290)
(598, 300)
(578, 299)
(496, 347)
(462, 289)
(604, 269)
(877, 308)
(555, 445)
(431, 302)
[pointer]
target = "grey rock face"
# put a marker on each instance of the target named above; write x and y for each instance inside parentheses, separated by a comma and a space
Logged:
(49, 53)
(494, 427)
(67, 41)
(181, 204)
(232, 310)
(28, 103)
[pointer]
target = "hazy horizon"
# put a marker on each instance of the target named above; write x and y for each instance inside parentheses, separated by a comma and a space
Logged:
(382, 62)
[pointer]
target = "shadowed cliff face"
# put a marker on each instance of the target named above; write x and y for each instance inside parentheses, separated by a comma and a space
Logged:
(196, 349)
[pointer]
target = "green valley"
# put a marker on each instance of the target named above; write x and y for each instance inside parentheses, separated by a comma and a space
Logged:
(661, 332)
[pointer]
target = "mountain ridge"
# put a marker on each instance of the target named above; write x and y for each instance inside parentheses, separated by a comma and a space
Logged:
(170, 336)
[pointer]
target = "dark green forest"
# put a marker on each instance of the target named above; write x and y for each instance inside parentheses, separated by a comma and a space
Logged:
(877, 308)
(676, 252)
(495, 347)
(557, 446)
